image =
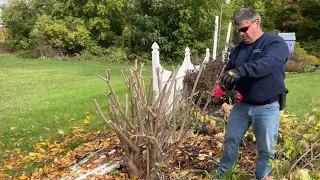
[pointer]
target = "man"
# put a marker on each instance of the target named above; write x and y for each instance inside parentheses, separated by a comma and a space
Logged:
(256, 70)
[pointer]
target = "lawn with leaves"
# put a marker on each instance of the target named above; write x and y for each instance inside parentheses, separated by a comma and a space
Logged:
(46, 107)
(42, 100)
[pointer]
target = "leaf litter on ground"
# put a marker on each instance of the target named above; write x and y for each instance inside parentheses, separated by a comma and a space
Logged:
(197, 152)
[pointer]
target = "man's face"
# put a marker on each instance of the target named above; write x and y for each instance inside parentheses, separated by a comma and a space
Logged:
(248, 31)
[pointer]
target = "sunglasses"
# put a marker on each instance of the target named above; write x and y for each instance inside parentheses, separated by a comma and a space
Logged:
(244, 29)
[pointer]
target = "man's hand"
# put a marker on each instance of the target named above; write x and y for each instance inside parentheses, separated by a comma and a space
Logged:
(235, 96)
(229, 79)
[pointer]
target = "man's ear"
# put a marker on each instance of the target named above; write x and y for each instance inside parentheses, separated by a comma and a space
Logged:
(258, 23)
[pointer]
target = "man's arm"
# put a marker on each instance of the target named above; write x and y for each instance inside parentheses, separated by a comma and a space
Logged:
(273, 58)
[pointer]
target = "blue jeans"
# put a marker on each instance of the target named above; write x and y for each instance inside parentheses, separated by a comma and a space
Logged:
(265, 122)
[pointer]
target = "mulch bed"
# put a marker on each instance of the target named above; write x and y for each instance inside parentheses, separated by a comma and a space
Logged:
(6, 50)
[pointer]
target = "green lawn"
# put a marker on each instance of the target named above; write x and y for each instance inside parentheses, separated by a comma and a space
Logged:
(303, 88)
(40, 97)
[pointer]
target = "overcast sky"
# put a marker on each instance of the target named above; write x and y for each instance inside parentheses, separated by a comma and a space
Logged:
(3, 1)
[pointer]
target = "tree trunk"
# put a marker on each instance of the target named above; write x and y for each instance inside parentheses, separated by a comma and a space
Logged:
(133, 169)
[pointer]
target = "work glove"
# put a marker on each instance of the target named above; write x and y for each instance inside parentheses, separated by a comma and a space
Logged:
(235, 96)
(229, 79)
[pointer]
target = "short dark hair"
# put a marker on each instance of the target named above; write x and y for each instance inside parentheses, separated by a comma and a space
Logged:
(247, 14)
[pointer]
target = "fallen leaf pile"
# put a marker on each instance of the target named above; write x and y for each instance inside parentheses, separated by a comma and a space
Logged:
(62, 159)
(200, 152)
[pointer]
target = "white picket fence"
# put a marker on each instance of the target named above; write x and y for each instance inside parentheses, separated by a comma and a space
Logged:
(186, 65)
(165, 74)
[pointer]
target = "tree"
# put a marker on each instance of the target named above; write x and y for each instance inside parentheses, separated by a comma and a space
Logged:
(303, 18)
(174, 24)
(104, 19)
(134, 25)
(19, 18)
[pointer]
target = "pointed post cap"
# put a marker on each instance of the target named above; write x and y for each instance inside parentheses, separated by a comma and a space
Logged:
(187, 50)
(155, 46)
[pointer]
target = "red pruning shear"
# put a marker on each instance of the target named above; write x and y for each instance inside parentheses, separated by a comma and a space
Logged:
(218, 92)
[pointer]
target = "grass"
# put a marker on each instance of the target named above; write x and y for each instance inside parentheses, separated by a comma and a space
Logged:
(40, 97)
(303, 89)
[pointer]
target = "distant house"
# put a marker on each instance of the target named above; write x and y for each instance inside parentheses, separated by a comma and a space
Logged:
(290, 39)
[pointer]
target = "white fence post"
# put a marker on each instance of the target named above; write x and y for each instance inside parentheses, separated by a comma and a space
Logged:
(207, 58)
(187, 60)
(224, 53)
(186, 64)
(215, 39)
(155, 64)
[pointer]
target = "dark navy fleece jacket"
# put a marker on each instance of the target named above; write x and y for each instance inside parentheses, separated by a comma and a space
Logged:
(262, 69)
